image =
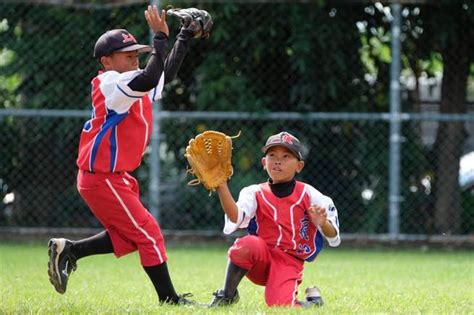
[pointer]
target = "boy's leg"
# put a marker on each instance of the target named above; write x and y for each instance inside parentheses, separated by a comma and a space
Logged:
(94, 245)
(229, 295)
(248, 256)
(234, 275)
(252, 253)
(64, 253)
(283, 280)
(131, 227)
(160, 277)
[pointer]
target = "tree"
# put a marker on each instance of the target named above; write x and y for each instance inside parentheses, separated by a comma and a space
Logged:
(445, 28)
(456, 48)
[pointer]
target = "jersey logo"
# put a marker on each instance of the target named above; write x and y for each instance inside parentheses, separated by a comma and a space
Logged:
(127, 38)
(304, 227)
(304, 248)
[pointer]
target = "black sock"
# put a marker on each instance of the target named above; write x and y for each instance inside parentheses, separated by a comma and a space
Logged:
(161, 280)
(97, 244)
(233, 277)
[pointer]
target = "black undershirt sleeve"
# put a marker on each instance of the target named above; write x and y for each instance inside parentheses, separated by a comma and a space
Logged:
(176, 55)
(150, 76)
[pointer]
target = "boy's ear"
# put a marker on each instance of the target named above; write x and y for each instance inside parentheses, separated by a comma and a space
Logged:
(105, 62)
(300, 166)
(263, 163)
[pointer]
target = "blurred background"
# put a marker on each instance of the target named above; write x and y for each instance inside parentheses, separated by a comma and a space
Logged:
(380, 93)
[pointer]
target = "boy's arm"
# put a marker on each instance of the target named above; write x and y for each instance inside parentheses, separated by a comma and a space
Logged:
(195, 23)
(329, 226)
(150, 76)
(227, 202)
(319, 217)
(237, 214)
(176, 55)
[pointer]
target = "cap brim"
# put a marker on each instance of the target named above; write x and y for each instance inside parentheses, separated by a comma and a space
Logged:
(289, 147)
(139, 47)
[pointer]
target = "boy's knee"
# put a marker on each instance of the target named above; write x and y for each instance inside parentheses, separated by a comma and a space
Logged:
(245, 250)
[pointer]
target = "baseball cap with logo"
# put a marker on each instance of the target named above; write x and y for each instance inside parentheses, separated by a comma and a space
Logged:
(287, 140)
(117, 40)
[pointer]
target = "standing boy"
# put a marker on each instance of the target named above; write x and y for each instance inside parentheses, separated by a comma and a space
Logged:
(286, 220)
(112, 144)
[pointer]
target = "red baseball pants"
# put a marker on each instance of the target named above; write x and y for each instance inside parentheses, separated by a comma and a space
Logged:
(114, 200)
(279, 272)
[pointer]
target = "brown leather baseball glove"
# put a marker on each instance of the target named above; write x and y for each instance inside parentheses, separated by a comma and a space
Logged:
(209, 156)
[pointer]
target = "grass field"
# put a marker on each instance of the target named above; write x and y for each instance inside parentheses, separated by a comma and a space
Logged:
(351, 281)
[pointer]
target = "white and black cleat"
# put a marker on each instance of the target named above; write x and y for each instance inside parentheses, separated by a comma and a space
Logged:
(313, 298)
(61, 263)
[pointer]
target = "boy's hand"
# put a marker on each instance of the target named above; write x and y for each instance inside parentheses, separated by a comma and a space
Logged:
(317, 215)
(156, 22)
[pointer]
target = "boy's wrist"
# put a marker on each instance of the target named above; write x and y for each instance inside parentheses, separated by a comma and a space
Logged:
(161, 35)
(325, 223)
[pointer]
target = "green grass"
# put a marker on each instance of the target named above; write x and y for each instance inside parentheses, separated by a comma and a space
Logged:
(352, 282)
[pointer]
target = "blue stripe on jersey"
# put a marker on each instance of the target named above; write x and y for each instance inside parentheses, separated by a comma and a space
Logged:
(154, 94)
(319, 242)
(120, 89)
(252, 227)
(113, 148)
(111, 120)
(88, 124)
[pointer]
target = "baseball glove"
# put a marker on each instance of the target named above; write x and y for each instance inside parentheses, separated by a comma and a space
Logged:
(209, 155)
(195, 20)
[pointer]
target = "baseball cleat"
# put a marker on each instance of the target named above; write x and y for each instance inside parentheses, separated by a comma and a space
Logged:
(61, 263)
(221, 300)
(183, 299)
(313, 297)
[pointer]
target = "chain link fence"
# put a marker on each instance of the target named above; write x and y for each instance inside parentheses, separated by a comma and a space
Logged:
(318, 70)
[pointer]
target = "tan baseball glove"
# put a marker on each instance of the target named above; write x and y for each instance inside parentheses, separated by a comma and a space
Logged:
(209, 156)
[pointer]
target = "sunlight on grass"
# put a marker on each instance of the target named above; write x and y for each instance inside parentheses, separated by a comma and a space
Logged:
(352, 281)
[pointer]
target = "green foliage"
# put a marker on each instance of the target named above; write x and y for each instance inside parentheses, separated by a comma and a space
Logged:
(262, 57)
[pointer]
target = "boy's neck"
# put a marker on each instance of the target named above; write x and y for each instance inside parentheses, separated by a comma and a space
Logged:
(282, 190)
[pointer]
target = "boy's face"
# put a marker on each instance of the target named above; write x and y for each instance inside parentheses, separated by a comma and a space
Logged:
(281, 164)
(121, 61)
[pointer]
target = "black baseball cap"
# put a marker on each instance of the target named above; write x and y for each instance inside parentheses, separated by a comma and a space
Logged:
(287, 140)
(117, 40)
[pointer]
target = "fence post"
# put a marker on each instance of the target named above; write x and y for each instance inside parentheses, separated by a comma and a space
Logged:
(395, 122)
(154, 159)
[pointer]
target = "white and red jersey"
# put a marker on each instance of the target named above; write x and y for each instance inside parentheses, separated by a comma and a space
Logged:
(115, 137)
(283, 222)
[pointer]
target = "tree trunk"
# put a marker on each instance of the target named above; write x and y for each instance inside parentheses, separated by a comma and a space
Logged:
(450, 137)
